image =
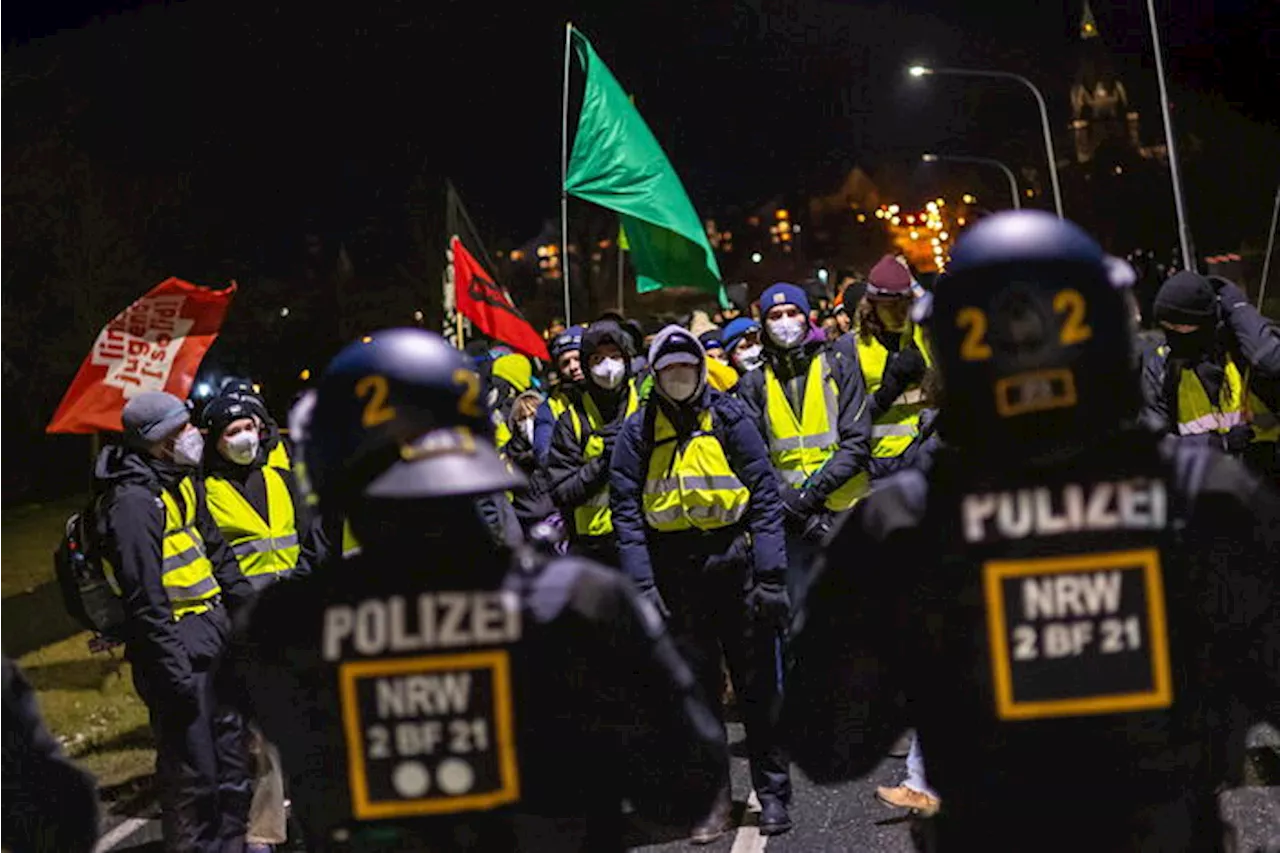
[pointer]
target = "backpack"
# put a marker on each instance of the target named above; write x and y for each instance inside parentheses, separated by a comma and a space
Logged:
(78, 565)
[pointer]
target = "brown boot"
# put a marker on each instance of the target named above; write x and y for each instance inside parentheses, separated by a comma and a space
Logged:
(903, 797)
(718, 821)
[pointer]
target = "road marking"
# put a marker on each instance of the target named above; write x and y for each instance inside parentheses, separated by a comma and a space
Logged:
(119, 833)
(748, 838)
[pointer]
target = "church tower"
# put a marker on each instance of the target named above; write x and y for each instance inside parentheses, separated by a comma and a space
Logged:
(1100, 110)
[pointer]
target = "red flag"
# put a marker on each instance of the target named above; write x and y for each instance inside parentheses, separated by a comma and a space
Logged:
(485, 304)
(156, 344)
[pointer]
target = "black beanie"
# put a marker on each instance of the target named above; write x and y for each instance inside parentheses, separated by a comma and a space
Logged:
(1186, 299)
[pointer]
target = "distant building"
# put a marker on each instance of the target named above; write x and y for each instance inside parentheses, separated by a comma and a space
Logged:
(1104, 125)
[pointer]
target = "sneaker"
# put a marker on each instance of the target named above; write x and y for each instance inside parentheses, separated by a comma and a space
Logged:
(903, 797)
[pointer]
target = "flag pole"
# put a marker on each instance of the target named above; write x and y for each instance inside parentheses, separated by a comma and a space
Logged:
(621, 274)
(564, 173)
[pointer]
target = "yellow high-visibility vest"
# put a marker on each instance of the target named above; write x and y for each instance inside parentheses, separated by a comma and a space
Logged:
(350, 545)
(592, 517)
(186, 572)
(1197, 415)
(895, 429)
(691, 485)
(263, 547)
(279, 457)
(799, 447)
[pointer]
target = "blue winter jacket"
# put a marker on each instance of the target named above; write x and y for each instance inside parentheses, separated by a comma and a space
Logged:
(745, 450)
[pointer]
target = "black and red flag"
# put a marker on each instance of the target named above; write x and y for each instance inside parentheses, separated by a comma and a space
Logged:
(477, 296)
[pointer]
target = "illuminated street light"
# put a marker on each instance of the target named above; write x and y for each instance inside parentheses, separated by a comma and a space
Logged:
(305, 374)
(922, 70)
(984, 161)
(417, 316)
(756, 257)
(284, 312)
(968, 199)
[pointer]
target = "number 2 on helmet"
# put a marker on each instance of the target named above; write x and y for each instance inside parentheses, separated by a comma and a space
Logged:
(973, 322)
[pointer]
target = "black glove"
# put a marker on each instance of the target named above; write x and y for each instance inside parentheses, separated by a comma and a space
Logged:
(1229, 295)
(796, 505)
(1236, 439)
(907, 367)
(817, 527)
(768, 603)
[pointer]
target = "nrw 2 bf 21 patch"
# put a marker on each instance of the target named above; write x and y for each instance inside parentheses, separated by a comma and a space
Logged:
(1077, 635)
(429, 735)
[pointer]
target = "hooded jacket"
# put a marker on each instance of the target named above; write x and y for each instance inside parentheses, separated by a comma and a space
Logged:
(572, 480)
(250, 481)
(534, 503)
(743, 447)
(131, 529)
(1253, 342)
(853, 421)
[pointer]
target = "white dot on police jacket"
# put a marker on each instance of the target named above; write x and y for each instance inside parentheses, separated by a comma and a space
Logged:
(455, 776)
(411, 779)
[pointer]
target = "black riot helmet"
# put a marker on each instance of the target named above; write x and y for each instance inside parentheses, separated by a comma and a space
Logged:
(398, 415)
(1031, 333)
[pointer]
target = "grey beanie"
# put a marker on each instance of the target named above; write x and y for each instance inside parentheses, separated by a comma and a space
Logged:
(151, 416)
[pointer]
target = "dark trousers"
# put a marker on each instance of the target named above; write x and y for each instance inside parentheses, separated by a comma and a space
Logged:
(703, 579)
(202, 767)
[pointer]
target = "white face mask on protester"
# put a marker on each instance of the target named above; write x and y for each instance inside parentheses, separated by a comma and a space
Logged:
(788, 331)
(608, 373)
(188, 448)
(242, 448)
(526, 426)
(749, 358)
(679, 382)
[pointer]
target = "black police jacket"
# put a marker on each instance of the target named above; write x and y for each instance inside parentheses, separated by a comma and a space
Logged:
(49, 803)
(438, 708)
(1077, 648)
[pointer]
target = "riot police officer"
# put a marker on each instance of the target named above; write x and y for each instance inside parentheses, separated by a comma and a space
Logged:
(437, 691)
(1091, 604)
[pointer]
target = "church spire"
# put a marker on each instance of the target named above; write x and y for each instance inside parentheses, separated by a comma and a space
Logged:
(1088, 26)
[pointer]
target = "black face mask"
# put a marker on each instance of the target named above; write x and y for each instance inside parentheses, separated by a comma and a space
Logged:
(1192, 346)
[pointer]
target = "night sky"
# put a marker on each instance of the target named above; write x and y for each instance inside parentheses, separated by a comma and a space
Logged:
(296, 109)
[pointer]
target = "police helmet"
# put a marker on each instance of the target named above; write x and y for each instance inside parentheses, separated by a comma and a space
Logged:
(1031, 334)
(399, 414)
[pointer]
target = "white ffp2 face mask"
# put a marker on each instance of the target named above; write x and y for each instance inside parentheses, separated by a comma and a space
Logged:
(679, 382)
(608, 373)
(188, 448)
(242, 448)
(749, 358)
(787, 331)
(526, 426)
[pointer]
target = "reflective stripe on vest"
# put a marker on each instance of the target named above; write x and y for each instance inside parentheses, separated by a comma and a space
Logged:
(799, 447)
(691, 485)
(279, 457)
(186, 572)
(592, 516)
(350, 545)
(895, 429)
(263, 547)
(1197, 415)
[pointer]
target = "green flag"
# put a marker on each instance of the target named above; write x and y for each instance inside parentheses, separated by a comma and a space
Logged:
(618, 164)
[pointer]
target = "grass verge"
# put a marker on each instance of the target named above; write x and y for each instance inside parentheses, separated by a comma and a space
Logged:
(86, 698)
(88, 701)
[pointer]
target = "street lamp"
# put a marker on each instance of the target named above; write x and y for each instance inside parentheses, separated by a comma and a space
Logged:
(985, 161)
(924, 70)
(1184, 231)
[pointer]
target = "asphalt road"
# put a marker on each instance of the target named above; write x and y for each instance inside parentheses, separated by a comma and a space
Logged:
(846, 817)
